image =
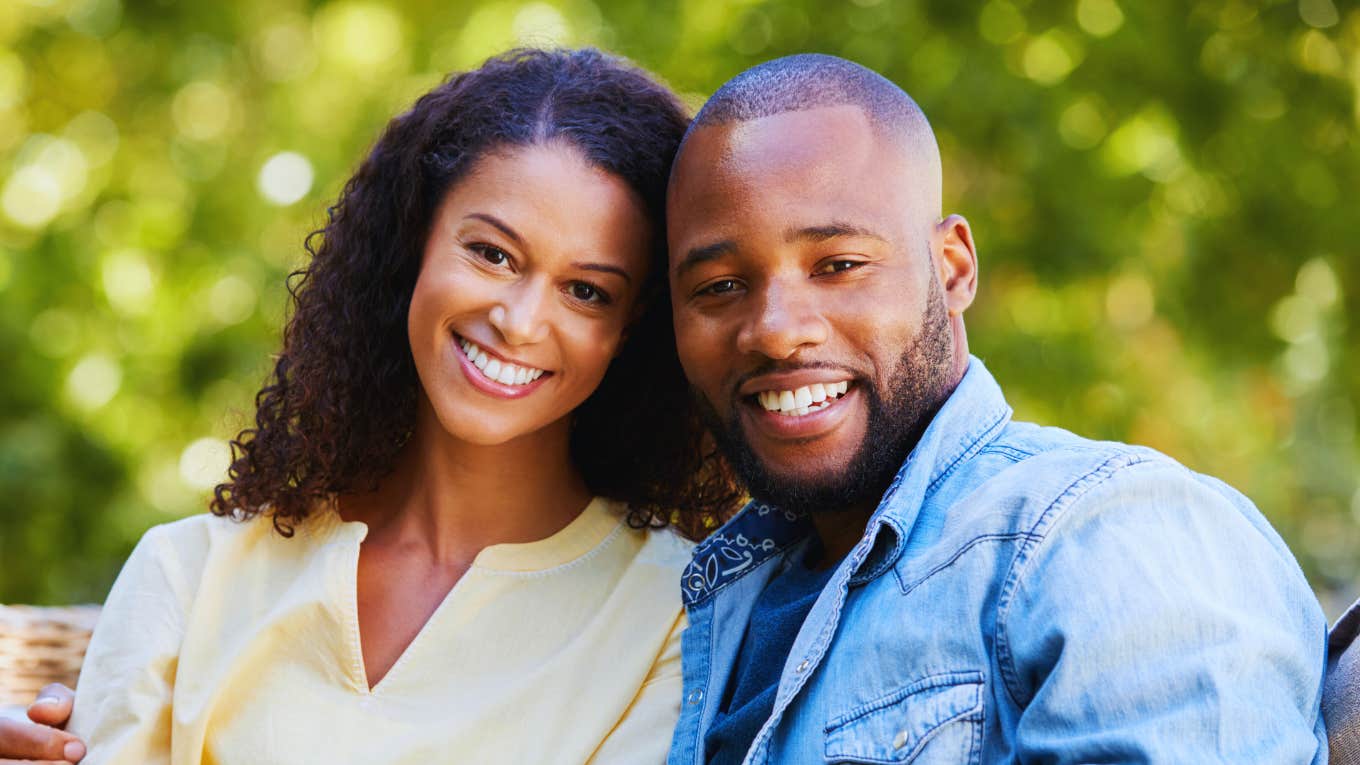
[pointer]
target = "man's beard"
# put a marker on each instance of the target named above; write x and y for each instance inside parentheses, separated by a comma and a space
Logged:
(919, 385)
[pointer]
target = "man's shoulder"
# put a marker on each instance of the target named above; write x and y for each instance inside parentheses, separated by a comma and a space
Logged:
(1030, 481)
(1029, 470)
(1053, 489)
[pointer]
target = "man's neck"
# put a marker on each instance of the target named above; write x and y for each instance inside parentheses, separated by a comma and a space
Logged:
(839, 531)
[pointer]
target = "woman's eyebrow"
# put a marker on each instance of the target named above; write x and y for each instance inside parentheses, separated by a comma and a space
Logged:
(497, 223)
(605, 268)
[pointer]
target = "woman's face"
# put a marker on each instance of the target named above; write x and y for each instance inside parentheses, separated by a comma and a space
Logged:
(533, 265)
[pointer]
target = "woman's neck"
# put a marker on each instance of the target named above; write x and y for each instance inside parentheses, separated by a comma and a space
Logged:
(455, 498)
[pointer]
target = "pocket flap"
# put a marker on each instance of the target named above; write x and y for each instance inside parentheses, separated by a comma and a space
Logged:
(894, 728)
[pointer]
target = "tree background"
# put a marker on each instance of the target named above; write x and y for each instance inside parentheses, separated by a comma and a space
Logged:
(1163, 193)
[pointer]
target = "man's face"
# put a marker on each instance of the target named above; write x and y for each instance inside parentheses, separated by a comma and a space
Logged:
(810, 316)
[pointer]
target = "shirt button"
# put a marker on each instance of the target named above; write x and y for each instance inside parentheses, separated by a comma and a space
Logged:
(695, 696)
(803, 667)
(900, 740)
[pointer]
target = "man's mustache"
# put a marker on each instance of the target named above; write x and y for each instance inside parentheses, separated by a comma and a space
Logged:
(774, 367)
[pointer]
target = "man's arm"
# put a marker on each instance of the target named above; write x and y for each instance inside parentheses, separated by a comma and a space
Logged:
(41, 740)
(1161, 621)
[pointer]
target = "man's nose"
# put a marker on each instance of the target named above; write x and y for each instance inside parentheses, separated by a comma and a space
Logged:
(784, 321)
(519, 313)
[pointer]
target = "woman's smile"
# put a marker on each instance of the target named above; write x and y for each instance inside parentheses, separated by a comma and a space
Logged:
(495, 375)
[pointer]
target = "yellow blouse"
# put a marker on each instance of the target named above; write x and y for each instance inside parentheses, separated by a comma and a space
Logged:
(223, 642)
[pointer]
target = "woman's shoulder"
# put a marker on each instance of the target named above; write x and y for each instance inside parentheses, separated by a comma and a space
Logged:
(199, 535)
(663, 546)
(187, 547)
(667, 546)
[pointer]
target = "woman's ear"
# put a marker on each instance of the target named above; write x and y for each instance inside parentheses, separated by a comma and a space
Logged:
(635, 315)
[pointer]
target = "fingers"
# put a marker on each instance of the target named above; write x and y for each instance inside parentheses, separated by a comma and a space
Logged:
(37, 742)
(53, 706)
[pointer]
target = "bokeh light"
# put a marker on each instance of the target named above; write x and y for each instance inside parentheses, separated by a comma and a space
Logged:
(285, 178)
(203, 463)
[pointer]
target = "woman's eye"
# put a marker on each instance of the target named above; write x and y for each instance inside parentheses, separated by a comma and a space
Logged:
(588, 293)
(493, 255)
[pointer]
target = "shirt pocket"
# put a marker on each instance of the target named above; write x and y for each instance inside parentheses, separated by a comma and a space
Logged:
(937, 719)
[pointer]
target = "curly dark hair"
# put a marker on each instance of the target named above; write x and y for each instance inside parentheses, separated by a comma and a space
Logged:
(341, 400)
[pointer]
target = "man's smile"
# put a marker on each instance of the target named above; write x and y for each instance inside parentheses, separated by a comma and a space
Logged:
(802, 401)
(798, 404)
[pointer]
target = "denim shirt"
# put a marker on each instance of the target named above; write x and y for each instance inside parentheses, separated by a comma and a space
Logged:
(1024, 595)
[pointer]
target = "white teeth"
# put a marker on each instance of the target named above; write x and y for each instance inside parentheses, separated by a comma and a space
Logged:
(502, 372)
(804, 400)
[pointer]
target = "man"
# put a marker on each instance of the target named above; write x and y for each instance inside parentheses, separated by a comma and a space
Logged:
(920, 579)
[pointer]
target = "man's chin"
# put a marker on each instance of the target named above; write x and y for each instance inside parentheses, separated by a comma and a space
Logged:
(816, 479)
(827, 489)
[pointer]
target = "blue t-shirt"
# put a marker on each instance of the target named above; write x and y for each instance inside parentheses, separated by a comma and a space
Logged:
(778, 614)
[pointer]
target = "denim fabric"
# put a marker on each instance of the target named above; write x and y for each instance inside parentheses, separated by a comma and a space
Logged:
(1024, 595)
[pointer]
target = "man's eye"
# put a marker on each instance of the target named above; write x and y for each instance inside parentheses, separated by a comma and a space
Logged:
(493, 255)
(588, 293)
(837, 266)
(719, 287)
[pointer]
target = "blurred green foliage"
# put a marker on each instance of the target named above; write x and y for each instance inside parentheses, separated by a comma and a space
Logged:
(1163, 194)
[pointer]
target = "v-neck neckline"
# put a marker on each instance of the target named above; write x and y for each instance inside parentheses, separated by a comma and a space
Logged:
(591, 528)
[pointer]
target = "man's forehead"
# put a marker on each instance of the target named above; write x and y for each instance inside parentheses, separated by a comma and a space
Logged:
(788, 141)
(818, 161)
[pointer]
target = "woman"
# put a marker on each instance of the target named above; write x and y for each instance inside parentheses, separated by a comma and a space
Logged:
(439, 542)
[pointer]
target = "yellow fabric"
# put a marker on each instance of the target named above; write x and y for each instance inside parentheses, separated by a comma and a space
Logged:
(223, 642)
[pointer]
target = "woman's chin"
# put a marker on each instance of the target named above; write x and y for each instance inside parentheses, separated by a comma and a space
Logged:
(477, 428)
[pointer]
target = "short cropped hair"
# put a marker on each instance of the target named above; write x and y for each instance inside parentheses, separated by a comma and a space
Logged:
(809, 81)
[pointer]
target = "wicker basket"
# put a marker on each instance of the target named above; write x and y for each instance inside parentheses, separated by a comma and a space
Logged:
(40, 646)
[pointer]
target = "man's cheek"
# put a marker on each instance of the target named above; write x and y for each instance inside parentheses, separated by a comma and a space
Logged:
(699, 367)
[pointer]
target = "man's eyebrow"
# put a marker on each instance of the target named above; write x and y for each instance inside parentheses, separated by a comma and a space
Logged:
(699, 255)
(499, 224)
(604, 268)
(830, 231)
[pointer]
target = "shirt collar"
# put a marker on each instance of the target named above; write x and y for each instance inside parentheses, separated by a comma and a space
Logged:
(972, 416)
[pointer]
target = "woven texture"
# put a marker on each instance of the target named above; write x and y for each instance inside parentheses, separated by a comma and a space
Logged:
(1341, 698)
(41, 645)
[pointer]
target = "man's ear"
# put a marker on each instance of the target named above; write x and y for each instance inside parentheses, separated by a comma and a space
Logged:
(956, 258)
